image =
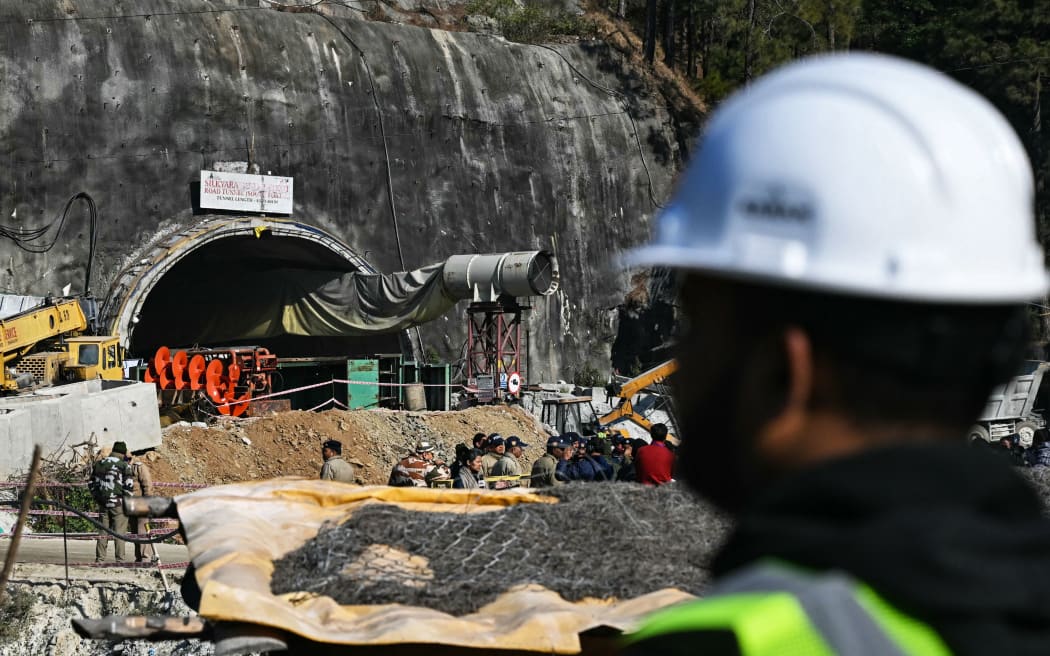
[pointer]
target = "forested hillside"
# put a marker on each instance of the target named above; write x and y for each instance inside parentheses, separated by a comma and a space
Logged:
(1001, 48)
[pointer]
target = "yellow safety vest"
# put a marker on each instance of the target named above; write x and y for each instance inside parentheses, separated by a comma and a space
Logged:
(776, 610)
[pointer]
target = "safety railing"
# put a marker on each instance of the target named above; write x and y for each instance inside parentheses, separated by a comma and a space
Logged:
(156, 526)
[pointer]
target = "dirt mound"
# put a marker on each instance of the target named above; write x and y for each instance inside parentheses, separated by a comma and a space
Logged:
(289, 443)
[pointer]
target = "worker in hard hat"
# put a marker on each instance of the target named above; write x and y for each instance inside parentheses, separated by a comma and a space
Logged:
(857, 247)
(412, 470)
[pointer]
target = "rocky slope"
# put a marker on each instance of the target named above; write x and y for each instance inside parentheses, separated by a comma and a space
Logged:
(44, 627)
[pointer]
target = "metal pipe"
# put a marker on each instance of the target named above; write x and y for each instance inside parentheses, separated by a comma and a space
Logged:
(65, 535)
(485, 278)
(23, 513)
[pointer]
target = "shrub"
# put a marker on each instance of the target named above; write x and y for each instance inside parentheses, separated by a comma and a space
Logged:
(76, 497)
(588, 376)
(530, 23)
(14, 613)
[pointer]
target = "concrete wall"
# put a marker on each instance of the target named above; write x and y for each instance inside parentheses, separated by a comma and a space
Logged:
(491, 145)
(96, 411)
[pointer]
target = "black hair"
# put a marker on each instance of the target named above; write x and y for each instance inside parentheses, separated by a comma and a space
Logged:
(880, 361)
(461, 452)
(658, 432)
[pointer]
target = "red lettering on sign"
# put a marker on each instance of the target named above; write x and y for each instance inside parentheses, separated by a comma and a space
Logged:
(10, 333)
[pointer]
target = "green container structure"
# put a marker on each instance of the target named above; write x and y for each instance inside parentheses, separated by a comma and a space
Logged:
(363, 391)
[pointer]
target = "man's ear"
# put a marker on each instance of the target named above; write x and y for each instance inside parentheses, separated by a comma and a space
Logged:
(783, 433)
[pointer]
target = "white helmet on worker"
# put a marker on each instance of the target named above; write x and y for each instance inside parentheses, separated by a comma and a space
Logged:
(860, 174)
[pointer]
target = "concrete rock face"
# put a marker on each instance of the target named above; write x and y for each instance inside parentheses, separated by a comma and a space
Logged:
(485, 145)
(48, 629)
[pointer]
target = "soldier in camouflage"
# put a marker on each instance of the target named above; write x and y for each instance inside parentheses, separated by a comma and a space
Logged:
(111, 481)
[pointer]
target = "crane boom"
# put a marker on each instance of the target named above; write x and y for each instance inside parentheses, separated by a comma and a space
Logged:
(626, 392)
(28, 328)
(23, 332)
(654, 376)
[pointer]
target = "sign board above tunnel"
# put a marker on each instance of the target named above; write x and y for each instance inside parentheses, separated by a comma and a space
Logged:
(241, 192)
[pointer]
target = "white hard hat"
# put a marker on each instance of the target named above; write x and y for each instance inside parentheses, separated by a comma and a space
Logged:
(861, 174)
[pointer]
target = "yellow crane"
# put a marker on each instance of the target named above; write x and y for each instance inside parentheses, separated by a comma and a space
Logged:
(569, 414)
(626, 392)
(46, 345)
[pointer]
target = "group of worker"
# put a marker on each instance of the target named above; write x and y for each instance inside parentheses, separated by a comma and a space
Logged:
(492, 461)
(856, 249)
(114, 477)
(612, 458)
(1036, 453)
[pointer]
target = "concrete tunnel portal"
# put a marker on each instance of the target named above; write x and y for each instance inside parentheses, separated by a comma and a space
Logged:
(194, 281)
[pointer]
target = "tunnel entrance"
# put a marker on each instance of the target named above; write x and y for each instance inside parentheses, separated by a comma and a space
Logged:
(203, 285)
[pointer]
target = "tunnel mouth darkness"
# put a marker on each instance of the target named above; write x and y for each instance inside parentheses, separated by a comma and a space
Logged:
(216, 285)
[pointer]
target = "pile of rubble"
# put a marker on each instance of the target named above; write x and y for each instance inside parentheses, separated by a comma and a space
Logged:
(289, 444)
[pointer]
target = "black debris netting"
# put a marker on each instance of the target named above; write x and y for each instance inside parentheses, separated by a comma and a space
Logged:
(602, 540)
(1039, 478)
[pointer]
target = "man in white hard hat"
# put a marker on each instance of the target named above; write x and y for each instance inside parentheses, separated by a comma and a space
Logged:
(412, 470)
(857, 246)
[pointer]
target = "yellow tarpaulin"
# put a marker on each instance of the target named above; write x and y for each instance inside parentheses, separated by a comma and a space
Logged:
(236, 532)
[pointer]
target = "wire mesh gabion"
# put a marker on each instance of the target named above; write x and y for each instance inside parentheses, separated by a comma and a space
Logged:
(602, 540)
(1039, 479)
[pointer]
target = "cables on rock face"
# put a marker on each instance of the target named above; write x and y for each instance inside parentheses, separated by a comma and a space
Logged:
(382, 132)
(32, 240)
(386, 153)
(626, 109)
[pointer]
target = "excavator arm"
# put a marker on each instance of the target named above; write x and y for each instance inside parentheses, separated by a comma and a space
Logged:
(626, 392)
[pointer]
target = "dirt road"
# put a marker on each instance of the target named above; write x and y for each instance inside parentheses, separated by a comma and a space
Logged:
(49, 550)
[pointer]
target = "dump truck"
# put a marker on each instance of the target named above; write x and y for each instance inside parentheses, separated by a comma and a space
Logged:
(51, 344)
(1015, 408)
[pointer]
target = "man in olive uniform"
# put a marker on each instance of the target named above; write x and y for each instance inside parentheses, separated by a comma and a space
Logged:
(508, 464)
(549, 470)
(334, 467)
(143, 488)
(494, 449)
(841, 343)
(110, 482)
